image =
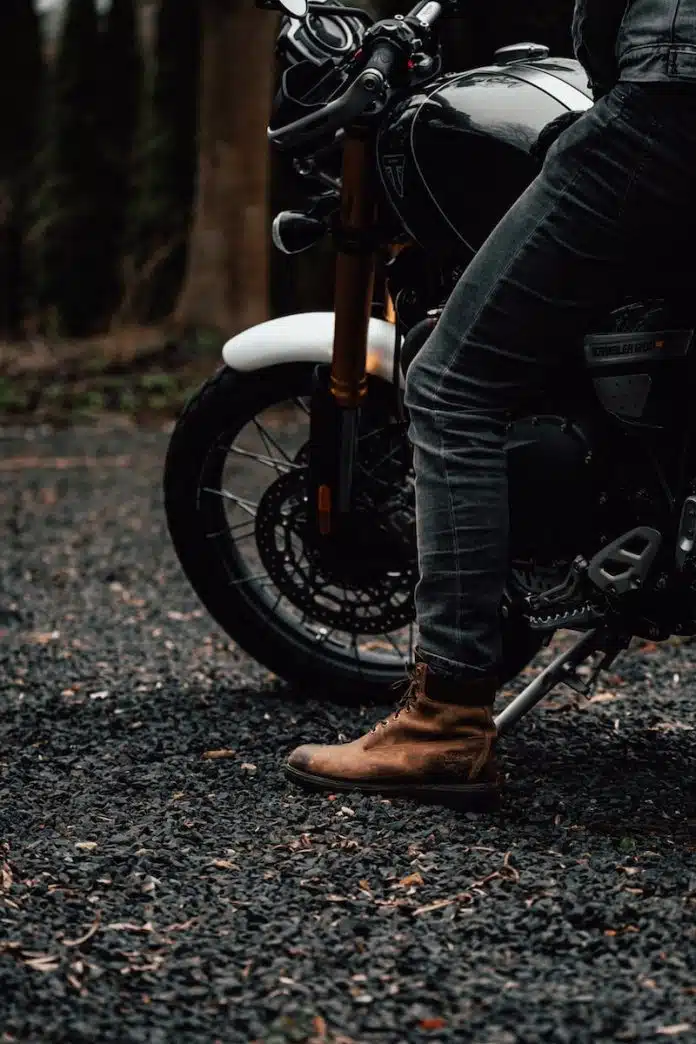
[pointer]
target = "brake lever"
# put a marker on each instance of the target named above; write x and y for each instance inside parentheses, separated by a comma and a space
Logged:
(364, 90)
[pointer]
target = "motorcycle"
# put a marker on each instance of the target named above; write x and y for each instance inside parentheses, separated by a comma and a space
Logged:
(289, 487)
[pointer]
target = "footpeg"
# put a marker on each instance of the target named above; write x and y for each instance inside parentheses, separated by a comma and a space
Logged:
(687, 533)
(623, 565)
(586, 615)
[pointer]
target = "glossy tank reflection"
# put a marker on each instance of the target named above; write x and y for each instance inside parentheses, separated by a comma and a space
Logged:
(453, 156)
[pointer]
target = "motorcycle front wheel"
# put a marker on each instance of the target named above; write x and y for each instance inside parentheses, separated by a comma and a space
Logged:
(234, 491)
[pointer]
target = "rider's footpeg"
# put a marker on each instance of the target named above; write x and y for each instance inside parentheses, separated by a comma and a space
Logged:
(584, 615)
(687, 533)
(623, 565)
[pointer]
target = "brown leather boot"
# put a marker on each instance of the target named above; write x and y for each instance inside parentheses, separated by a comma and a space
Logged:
(437, 746)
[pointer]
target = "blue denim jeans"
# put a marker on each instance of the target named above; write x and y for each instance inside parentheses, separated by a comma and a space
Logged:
(617, 189)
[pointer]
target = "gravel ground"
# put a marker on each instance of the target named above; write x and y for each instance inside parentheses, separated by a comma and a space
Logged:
(151, 891)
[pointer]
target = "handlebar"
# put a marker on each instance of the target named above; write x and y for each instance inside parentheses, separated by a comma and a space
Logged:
(344, 110)
(371, 82)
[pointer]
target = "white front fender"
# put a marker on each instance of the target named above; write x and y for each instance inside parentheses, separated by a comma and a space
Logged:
(307, 337)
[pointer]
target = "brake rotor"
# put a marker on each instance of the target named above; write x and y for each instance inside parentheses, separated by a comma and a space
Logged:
(364, 588)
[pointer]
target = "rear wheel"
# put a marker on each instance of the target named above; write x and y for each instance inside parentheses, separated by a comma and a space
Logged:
(236, 508)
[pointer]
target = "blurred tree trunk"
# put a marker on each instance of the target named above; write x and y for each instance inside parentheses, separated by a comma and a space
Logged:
(74, 264)
(122, 80)
(21, 85)
(166, 162)
(226, 283)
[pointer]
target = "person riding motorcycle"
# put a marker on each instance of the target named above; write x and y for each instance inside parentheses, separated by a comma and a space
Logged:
(614, 199)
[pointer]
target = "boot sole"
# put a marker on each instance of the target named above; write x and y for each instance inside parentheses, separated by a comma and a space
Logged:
(468, 796)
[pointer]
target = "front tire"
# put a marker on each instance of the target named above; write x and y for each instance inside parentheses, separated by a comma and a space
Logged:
(229, 580)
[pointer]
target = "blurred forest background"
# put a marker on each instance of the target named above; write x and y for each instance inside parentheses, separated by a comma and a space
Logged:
(136, 190)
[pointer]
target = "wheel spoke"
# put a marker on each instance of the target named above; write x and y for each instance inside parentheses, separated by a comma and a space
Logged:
(269, 441)
(363, 621)
(302, 406)
(246, 505)
(394, 646)
(250, 579)
(280, 466)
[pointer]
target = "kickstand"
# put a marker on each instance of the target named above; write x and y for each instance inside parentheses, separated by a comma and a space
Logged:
(564, 669)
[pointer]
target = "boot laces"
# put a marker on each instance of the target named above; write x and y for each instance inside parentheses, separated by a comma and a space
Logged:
(408, 700)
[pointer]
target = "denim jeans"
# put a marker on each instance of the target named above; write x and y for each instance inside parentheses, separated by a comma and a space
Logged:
(617, 190)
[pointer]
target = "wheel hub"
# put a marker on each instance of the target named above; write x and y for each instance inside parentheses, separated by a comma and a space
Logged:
(363, 581)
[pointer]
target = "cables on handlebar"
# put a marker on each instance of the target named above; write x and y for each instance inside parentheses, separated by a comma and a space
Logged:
(384, 58)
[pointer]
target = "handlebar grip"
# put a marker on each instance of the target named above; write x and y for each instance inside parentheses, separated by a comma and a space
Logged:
(338, 113)
(383, 59)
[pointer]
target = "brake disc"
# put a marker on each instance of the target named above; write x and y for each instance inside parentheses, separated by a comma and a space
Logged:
(337, 590)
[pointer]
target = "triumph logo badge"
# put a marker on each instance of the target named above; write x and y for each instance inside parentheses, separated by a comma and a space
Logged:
(394, 167)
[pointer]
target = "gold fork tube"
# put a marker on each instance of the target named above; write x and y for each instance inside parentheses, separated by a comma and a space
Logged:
(355, 276)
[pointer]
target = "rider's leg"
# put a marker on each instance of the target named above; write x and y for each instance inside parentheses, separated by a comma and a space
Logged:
(519, 307)
(612, 189)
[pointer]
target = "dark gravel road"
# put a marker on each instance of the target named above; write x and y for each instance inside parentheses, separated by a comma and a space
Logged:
(154, 891)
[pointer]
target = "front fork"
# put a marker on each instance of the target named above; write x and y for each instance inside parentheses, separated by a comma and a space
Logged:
(340, 390)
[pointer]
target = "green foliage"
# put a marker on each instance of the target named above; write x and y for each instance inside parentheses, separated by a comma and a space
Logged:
(21, 79)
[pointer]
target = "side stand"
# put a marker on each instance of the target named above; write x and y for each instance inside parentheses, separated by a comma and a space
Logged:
(563, 669)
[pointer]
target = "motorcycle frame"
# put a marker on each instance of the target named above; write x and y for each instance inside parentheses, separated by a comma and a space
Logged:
(356, 338)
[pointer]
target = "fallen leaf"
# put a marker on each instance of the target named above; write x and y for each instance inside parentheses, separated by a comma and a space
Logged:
(44, 637)
(320, 1029)
(364, 886)
(44, 962)
(432, 1024)
(214, 755)
(92, 930)
(439, 904)
(671, 726)
(602, 697)
(627, 930)
(5, 877)
(411, 880)
(248, 767)
(675, 1030)
(224, 864)
(86, 846)
(180, 926)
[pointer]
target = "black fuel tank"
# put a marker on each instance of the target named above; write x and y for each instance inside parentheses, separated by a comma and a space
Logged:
(453, 156)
